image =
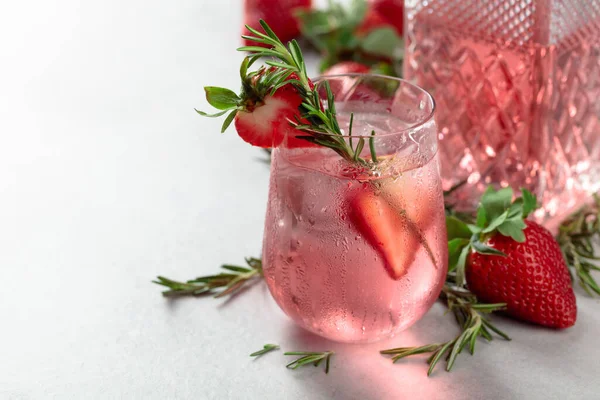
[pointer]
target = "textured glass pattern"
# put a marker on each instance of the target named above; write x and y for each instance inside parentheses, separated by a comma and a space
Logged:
(516, 84)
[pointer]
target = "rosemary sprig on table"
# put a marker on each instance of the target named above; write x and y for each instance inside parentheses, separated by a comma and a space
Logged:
(469, 314)
(576, 236)
(231, 281)
(307, 358)
(266, 348)
(319, 123)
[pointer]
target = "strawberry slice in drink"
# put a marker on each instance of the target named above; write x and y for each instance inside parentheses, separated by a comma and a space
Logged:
(386, 230)
(391, 225)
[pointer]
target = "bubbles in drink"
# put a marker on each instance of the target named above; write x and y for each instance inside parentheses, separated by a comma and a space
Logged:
(326, 270)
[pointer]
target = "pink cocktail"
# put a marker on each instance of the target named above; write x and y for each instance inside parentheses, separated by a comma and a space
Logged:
(358, 253)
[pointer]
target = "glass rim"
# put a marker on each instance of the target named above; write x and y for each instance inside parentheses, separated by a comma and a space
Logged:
(421, 121)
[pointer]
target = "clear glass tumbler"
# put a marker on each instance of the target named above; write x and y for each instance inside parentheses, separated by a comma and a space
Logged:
(516, 83)
(357, 253)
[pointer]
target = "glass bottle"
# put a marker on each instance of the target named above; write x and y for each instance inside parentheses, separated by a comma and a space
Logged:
(516, 84)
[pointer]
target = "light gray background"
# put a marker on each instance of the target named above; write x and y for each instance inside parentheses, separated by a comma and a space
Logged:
(108, 178)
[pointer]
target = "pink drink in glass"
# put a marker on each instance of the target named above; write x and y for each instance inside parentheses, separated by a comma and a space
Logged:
(322, 266)
(516, 84)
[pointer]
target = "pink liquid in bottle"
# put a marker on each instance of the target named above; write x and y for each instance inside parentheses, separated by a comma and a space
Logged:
(516, 84)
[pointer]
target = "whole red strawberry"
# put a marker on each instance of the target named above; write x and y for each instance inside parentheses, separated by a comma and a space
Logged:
(373, 20)
(392, 11)
(354, 32)
(508, 260)
(279, 14)
(533, 279)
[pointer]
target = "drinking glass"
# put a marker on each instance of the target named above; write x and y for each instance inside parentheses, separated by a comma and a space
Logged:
(357, 252)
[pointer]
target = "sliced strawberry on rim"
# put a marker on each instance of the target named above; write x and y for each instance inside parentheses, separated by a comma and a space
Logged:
(263, 111)
(264, 124)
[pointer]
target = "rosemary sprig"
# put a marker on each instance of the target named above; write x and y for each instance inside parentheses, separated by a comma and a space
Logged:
(319, 122)
(470, 317)
(266, 348)
(231, 281)
(576, 236)
(314, 358)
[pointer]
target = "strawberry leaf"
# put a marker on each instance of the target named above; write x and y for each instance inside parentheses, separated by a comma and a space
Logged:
(455, 247)
(381, 42)
(529, 202)
(496, 202)
(221, 98)
(356, 13)
(211, 115)
(485, 249)
(516, 209)
(461, 265)
(496, 222)
(513, 228)
(474, 228)
(457, 229)
(228, 120)
(497, 214)
(383, 68)
(317, 22)
(481, 217)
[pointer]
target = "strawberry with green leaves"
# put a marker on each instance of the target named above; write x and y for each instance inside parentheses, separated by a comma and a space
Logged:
(392, 12)
(505, 259)
(358, 33)
(264, 107)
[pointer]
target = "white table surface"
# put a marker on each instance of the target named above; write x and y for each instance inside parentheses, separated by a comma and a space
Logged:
(108, 178)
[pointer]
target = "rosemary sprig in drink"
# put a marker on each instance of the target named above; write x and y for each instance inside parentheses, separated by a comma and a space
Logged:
(285, 94)
(231, 281)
